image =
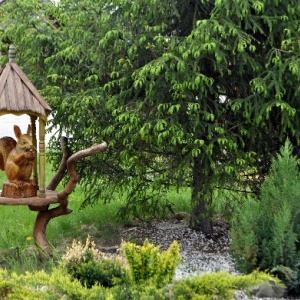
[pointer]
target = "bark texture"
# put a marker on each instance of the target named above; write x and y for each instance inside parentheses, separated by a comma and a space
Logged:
(201, 216)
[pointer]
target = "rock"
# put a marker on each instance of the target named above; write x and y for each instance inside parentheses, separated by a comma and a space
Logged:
(182, 216)
(268, 290)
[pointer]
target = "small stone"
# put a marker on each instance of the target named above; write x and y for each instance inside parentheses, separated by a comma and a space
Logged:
(240, 295)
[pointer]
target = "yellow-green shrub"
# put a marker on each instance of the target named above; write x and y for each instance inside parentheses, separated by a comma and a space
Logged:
(60, 285)
(146, 262)
(42, 286)
(218, 286)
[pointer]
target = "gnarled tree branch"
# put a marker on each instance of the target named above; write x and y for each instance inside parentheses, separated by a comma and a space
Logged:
(44, 216)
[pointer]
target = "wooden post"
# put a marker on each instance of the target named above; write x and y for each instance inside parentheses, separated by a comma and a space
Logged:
(42, 125)
(1, 68)
(34, 142)
(12, 54)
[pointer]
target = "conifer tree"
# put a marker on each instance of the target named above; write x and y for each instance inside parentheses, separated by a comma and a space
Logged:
(186, 93)
(265, 232)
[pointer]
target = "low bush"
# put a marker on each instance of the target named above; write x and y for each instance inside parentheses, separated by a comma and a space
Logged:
(90, 266)
(41, 285)
(290, 276)
(147, 263)
(135, 264)
(218, 286)
(61, 284)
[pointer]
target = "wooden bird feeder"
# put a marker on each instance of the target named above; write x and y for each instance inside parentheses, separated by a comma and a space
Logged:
(18, 96)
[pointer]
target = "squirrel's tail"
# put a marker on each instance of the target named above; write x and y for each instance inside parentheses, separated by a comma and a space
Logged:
(6, 145)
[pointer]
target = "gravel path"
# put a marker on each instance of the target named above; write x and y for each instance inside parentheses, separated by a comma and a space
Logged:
(199, 254)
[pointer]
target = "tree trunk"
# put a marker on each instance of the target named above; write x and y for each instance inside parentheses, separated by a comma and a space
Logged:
(201, 199)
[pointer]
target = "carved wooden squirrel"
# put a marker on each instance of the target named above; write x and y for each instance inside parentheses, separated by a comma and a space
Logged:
(17, 158)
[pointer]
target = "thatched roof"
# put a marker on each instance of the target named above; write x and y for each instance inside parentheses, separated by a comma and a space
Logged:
(17, 93)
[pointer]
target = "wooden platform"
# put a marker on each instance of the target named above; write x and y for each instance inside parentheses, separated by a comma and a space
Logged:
(51, 197)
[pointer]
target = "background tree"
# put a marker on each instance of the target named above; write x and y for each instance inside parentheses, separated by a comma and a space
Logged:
(186, 93)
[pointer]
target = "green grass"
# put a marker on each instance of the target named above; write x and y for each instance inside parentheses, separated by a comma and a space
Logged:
(100, 216)
(181, 199)
(17, 247)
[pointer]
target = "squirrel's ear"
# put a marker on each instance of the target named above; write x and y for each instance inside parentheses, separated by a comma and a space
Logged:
(29, 131)
(17, 131)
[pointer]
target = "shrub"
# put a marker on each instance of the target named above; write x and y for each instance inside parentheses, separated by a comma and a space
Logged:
(137, 265)
(218, 286)
(41, 285)
(90, 266)
(265, 231)
(60, 285)
(146, 262)
(291, 277)
(5, 288)
(144, 291)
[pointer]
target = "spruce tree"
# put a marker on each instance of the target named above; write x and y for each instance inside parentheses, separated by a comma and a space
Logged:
(191, 93)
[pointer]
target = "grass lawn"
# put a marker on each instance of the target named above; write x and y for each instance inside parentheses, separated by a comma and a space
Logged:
(17, 247)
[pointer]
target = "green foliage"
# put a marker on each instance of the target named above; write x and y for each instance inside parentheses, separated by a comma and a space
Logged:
(59, 284)
(40, 285)
(5, 288)
(82, 274)
(90, 267)
(147, 291)
(225, 202)
(146, 263)
(185, 93)
(291, 277)
(265, 232)
(22, 259)
(221, 285)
